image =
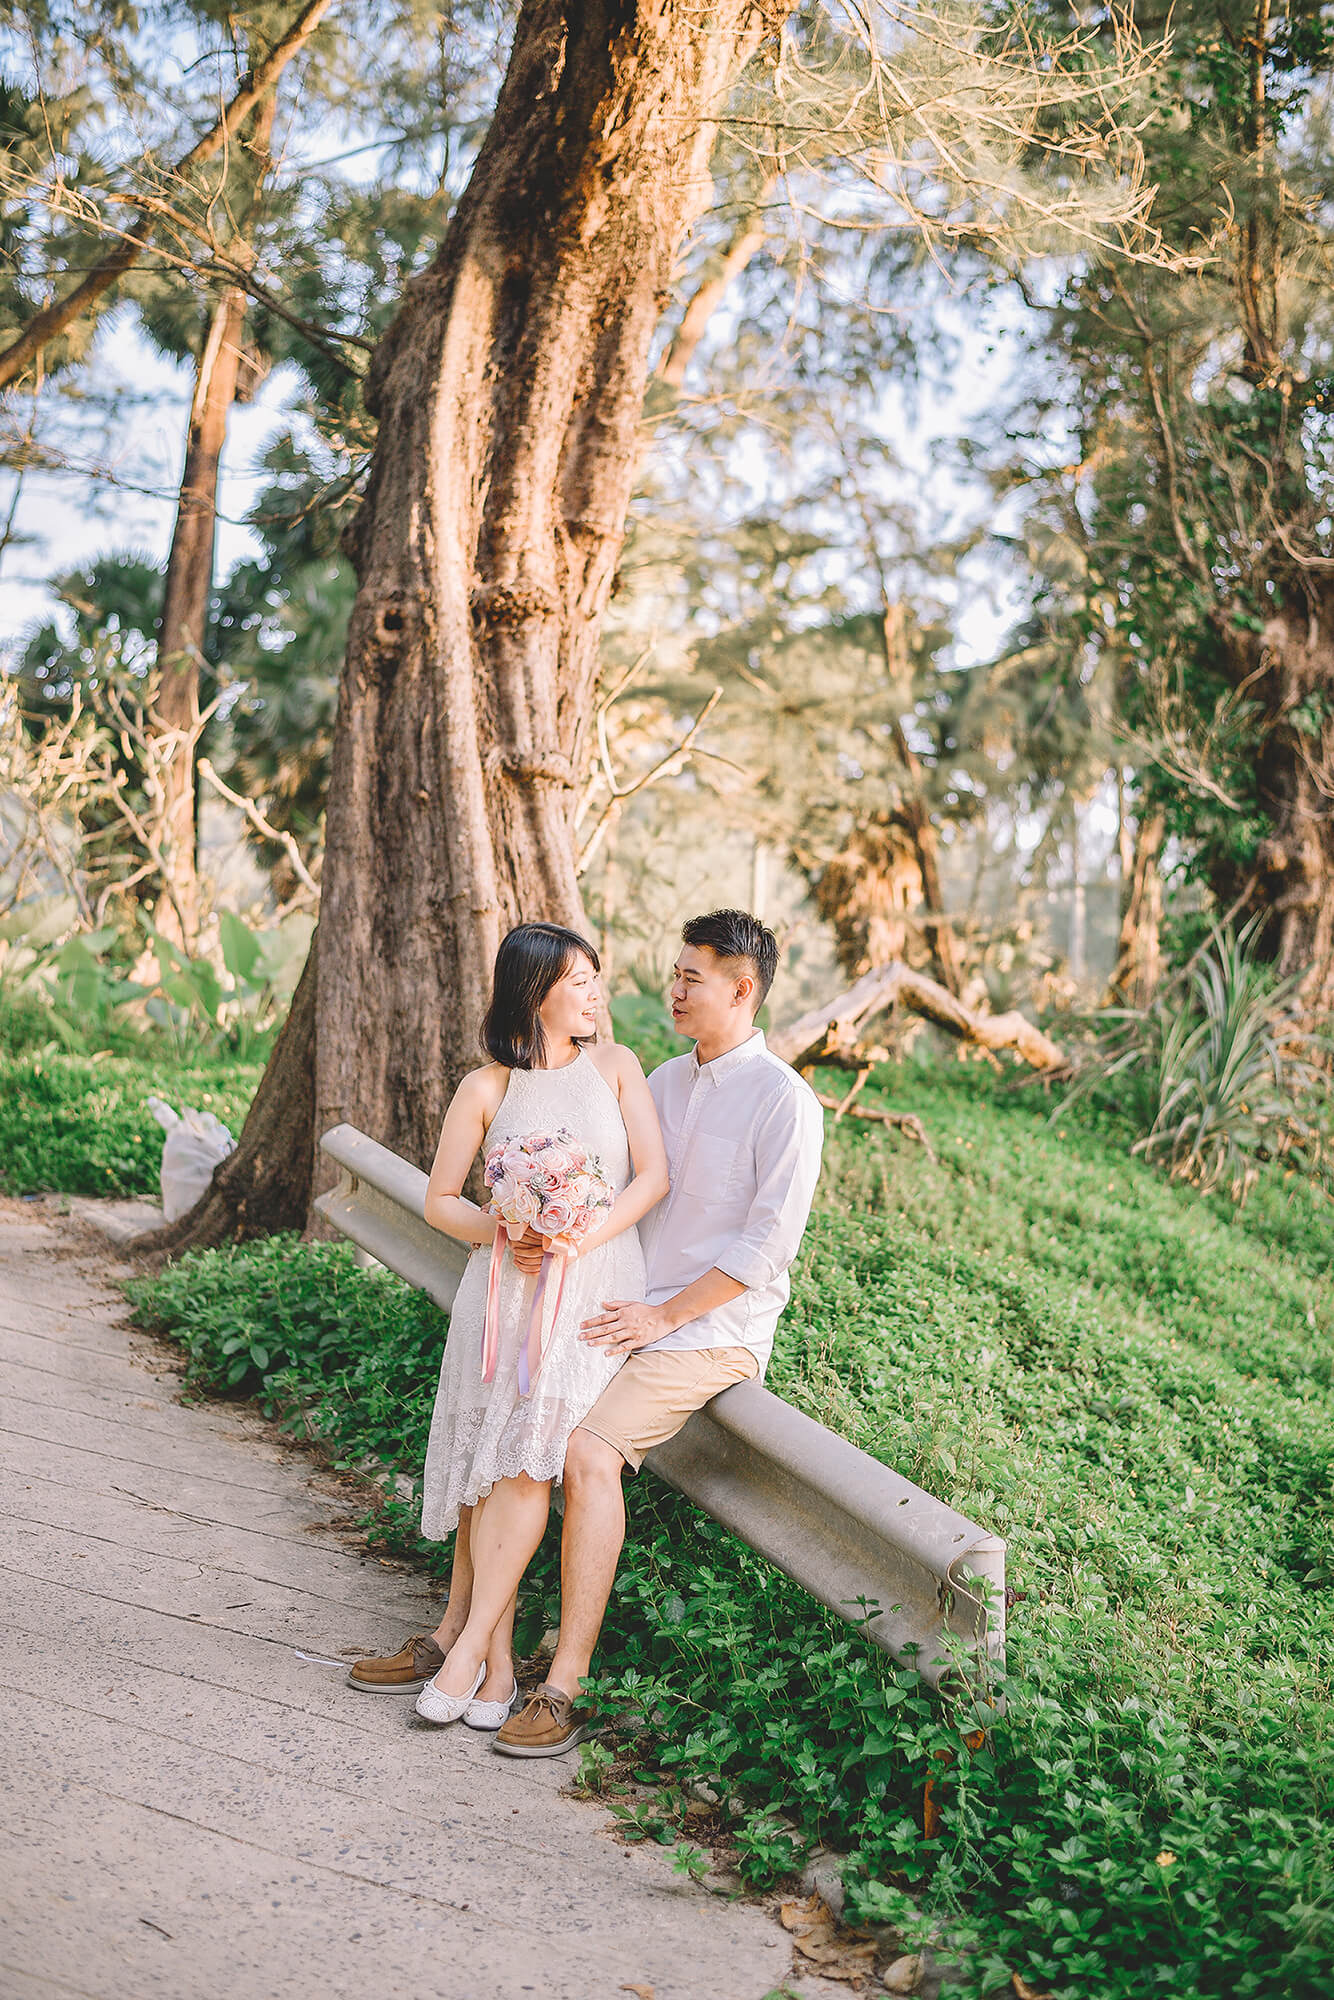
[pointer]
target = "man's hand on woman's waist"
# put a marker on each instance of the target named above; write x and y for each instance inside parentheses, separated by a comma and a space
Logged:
(624, 1325)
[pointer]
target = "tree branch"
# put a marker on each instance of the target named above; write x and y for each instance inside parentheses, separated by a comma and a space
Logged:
(745, 244)
(831, 1035)
(46, 325)
(270, 832)
(666, 767)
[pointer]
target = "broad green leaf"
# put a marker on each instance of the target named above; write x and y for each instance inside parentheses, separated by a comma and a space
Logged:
(242, 948)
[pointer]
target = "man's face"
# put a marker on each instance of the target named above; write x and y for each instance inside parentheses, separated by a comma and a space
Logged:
(710, 995)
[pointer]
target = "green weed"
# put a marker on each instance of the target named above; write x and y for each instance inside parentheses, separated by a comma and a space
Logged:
(1133, 1384)
(77, 1124)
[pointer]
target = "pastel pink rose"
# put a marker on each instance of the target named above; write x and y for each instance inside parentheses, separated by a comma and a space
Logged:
(558, 1215)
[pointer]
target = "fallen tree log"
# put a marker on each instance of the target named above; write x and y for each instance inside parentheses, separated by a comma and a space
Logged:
(831, 1035)
(902, 1121)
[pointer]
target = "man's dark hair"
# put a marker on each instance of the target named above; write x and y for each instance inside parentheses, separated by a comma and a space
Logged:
(736, 934)
(530, 961)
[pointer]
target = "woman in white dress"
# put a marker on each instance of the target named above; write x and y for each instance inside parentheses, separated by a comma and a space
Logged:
(492, 1449)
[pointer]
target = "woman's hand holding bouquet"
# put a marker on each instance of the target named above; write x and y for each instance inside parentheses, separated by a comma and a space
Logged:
(544, 1184)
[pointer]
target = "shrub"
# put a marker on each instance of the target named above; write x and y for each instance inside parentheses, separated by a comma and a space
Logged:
(77, 1123)
(1229, 1075)
(79, 983)
(1118, 1376)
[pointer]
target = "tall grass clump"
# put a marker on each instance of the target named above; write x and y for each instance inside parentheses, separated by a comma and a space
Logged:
(1226, 1073)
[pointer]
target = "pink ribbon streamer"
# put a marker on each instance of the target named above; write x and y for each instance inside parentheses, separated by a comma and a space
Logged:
(491, 1322)
(540, 1318)
(539, 1325)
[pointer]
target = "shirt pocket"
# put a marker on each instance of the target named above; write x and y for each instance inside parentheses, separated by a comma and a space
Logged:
(713, 1168)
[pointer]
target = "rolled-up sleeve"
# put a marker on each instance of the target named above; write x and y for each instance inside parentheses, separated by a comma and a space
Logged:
(788, 1144)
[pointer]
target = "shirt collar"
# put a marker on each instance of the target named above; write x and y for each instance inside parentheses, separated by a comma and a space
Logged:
(722, 1066)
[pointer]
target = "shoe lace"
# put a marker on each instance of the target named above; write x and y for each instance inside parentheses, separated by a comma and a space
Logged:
(540, 1700)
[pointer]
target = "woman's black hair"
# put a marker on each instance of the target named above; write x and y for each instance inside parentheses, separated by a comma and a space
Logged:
(530, 961)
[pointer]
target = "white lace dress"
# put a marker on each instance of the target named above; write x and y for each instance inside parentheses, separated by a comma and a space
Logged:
(484, 1431)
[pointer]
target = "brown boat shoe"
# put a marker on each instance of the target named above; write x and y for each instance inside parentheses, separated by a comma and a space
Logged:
(399, 1673)
(547, 1725)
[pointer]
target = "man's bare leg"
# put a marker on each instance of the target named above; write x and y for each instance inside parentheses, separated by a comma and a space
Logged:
(590, 1549)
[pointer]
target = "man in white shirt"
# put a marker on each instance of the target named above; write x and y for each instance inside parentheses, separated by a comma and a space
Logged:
(743, 1135)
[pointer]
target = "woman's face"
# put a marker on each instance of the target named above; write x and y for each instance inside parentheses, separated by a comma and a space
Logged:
(570, 1010)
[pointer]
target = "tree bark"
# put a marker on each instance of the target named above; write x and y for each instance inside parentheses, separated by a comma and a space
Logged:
(1139, 949)
(508, 393)
(180, 646)
(1290, 666)
(831, 1036)
(51, 322)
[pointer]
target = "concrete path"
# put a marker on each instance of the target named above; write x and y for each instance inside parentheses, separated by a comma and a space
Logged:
(193, 1811)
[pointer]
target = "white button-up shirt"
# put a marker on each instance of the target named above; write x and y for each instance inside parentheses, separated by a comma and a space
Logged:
(743, 1136)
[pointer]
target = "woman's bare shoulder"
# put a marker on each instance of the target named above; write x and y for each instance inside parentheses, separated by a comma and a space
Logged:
(484, 1088)
(617, 1063)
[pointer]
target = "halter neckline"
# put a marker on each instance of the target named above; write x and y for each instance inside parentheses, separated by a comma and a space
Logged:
(548, 1070)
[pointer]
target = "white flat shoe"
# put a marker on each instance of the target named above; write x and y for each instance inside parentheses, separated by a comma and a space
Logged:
(434, 1705)
(491, 1715)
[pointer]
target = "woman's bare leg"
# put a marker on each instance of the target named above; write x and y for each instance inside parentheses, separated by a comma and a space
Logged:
(504, 1542)
(500, 1656)
(455, 1614)
(500, 1653)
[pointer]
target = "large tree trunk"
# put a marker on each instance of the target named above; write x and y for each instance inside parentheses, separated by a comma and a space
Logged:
(508, 393)
(180, 647)
(1139, 949)
(1291, 670)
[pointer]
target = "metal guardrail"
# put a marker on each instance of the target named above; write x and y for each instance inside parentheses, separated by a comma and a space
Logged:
(922, 1580)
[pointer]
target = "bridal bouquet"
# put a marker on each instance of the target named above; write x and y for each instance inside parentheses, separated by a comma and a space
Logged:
(548, 1182)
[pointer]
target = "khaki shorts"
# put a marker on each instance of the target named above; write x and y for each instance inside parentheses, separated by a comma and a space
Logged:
(653, 1394)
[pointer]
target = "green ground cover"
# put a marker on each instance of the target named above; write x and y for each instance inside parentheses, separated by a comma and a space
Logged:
(76, 1123)
(1130, 1383)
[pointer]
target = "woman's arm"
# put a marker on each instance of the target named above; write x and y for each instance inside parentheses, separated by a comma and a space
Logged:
(647, 1153)
(471, 1109)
